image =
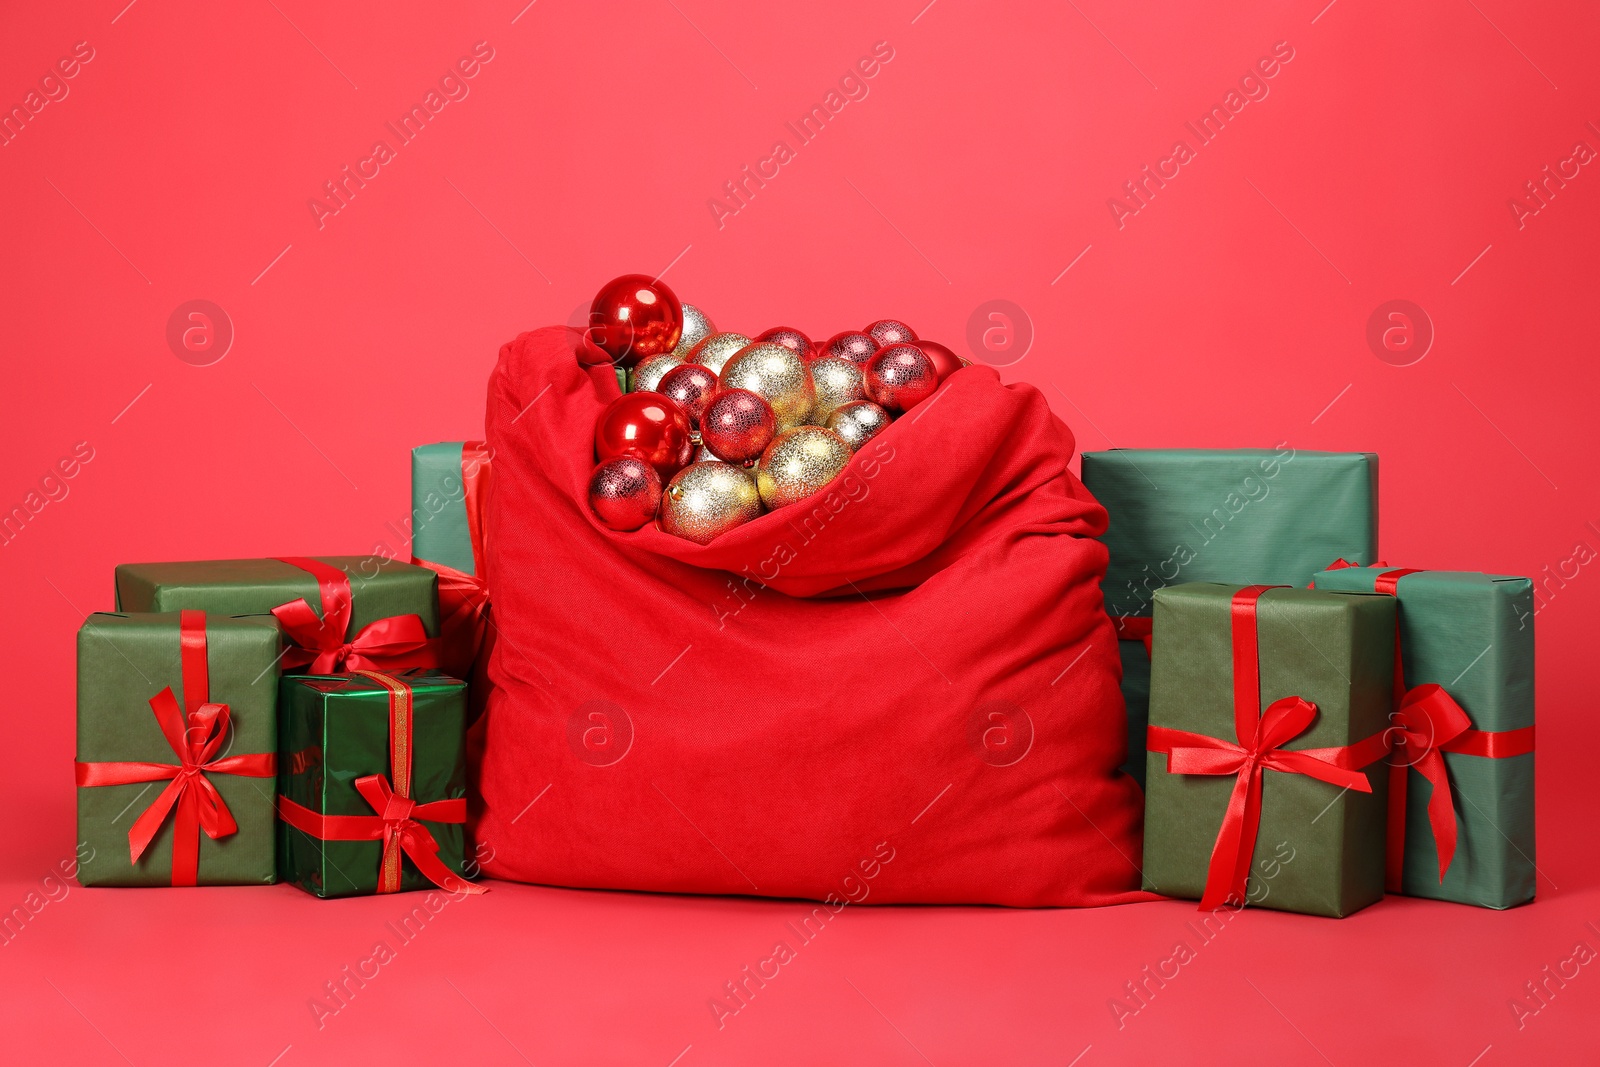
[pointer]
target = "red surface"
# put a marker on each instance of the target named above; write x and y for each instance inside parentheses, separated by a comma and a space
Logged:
(1385, 163)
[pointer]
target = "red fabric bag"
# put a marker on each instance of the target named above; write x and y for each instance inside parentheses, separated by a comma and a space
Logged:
(902, 690)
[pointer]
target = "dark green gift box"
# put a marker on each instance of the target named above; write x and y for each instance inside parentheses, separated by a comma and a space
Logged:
(123, 661)
(1472, 634)
(1272, 515)
(1320, 848)
(379, 588)
(439, 507)
(335, 729)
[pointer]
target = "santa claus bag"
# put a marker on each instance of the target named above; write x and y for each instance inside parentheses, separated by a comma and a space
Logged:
(904, 689)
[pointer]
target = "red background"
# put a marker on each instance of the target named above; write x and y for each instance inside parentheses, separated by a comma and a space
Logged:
(1231, 310)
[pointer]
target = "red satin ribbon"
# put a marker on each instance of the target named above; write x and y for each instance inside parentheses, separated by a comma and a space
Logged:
(1261, 735)
(1500, 744)
(1428, 722)
(322, 643)
(395, 823)
(1135, 628)
(464, 598)
(195, 740)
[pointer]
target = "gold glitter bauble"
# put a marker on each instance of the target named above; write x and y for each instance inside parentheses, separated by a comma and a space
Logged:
(707, 499)
(644, 377)
(799, 463)
(777, 375)
(696, 328)
(837, 382)
(858, 422)
(716, 350)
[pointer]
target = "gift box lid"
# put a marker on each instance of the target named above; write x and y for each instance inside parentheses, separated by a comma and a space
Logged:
(419, 680)
(1467, 631)
(1273, 515)
(380, 587)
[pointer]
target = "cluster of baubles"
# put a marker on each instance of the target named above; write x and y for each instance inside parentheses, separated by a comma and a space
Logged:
(717, 427)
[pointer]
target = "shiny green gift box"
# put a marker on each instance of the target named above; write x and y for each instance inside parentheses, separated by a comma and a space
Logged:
(1273, 515)
(1472, 634)
(335, 729)
(1320, 847)
(123, 661)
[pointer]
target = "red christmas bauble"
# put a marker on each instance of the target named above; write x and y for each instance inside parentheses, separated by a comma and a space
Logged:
(634, 317)
(890, 332)
(945, 361)
(737, 425)
(692, 386)
(900, 377)
(624, 493)
(856, 347)
(646, 425)
(790, 338)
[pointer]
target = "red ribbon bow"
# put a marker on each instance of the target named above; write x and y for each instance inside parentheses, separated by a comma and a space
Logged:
(1262, 736)
(195, 740)
(322, 642)
(464, 598)
(396, 822)
(395, 825)
(1426, 719)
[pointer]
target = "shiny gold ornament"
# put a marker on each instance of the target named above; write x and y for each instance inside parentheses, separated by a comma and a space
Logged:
(696, 328)
(799, 463)
(648, 374)
(777, 375)
(716, 350)
(707, 499)
(837, 382)
(858, 422)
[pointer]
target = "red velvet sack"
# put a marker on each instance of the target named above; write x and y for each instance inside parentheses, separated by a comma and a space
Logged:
(902, 690)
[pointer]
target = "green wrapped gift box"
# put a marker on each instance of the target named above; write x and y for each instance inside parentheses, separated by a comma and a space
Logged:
(372, 782)
(386, 612)
(1320, 844)
(441, 477)
(1472, 634)
(175, 690)
(449, 496)
(1275, 515)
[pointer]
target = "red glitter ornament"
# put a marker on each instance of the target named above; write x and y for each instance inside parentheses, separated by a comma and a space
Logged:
(634, 317)
(647, 425)
(900, 377)
(856, 347)
(945, 361)
(790, 338)
(737, 425)
(890, 332)
(624, 493)
(692, 386)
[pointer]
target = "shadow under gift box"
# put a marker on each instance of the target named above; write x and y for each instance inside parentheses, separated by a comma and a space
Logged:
(1270, 515)
(335, 729)
(379, 588)
(1472, 634)
(123, 661)
(1335, 650)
